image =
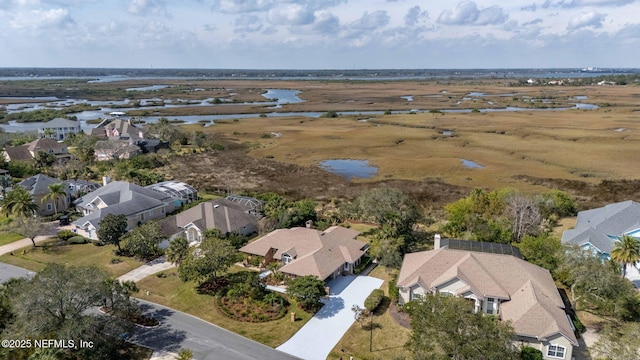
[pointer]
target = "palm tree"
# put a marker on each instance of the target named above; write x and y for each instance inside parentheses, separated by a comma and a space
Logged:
(56, 191)
(19, 202)
(626, 251)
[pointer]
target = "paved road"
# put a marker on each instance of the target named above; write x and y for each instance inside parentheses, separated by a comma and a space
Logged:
(9, 271)
(179, 330)
(321, 334)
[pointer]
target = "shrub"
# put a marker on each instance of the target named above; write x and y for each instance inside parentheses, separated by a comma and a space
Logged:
(161, 275)
(77, 240)
(529, 353)
(65, 234)
(115, 261)
(394, 292)
(97, 243)
(374, 299)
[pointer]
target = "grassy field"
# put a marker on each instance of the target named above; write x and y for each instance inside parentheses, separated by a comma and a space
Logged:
(79, 254)
(7, 237)
(388, 336)
(172, 292)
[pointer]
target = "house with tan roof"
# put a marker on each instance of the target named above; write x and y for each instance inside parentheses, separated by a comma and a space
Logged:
(227, 215)
(305, 251)
(496, 284)
(28, 152)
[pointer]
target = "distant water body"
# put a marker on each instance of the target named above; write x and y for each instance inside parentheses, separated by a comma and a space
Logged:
(109, 75)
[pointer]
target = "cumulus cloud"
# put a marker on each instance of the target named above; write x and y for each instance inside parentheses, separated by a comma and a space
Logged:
(247, 24)
(467, 13)
(588, 19)
(241, 6)
(414, 16)
(146, 7)
(326, 23)
(583, 3)
(38, 19)
(294, 14)
(371, 21)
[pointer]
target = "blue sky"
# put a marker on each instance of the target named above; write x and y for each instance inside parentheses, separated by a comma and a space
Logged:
(320, 34)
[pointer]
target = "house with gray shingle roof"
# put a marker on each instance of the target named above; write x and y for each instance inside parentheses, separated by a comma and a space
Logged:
(38, 187)
(598, 229)
(223, 214)
(306, 251)
(496, 284)
(138, 204)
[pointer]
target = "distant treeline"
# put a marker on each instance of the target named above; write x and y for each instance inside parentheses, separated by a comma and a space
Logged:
(299, 73)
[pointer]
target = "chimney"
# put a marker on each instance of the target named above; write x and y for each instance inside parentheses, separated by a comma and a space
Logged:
(105, 180)
(309, 224)
(436, 241)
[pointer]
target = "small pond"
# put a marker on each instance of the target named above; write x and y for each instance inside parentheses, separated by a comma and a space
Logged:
(471, 164)
(349, 169)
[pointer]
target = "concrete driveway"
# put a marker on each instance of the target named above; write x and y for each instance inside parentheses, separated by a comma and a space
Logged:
(321, 334)
(150, 268)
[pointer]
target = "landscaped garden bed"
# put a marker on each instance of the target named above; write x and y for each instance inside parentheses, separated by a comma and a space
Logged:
(248, 310)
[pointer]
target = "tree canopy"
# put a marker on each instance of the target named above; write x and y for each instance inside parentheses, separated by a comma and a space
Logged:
(626, 251)
(143, 242)
(445, 327)
(112, 229)
(19, 202)
(307, 290)
(55, 304)
(212, 257)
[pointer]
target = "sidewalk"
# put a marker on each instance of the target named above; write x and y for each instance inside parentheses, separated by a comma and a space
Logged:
(50, 231)
(150, 268)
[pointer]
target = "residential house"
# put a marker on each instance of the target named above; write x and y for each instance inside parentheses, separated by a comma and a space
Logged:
(59, 128)
(116, 128)
(77, 188)
(225, 215)
(305, 251)
(496, 284)
(115, 149)
(138, 204)
(28, 152)
(598, 229)
(38, 187)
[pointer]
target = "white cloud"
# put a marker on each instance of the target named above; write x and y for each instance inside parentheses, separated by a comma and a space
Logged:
(293, 14)
(247, 24)
(415, 15)
(371, 21)
(241, 6)
(467, 13)
(588, 19)
(326, 23)
(146, 7)
(39, 19)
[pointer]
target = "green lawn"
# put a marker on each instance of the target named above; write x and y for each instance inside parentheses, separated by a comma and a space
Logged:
(172, 292)
(7, 237)
(79, 254)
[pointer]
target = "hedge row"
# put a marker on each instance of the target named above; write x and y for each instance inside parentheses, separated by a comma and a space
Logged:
(374, 299)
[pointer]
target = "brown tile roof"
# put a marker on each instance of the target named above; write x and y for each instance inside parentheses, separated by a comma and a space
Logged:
(316, 252)
(533, 303)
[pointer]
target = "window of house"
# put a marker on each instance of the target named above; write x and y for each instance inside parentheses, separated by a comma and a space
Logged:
(490, 305)
(49, 207)
(50, 151)
(556, 351)
(286, 258)
(346, 266)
